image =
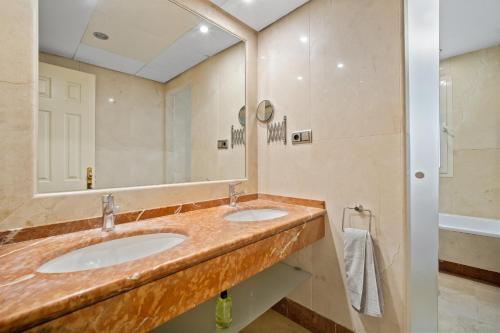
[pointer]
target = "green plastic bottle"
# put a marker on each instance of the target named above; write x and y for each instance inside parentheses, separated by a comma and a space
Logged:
(224, 311)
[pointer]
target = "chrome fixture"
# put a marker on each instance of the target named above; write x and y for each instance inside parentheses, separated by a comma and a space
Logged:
(242, 116)
(237, 136)
(361, 210)
(302, 136)
(108, 212)
(276, 132)
(265, 111)
(233, 195)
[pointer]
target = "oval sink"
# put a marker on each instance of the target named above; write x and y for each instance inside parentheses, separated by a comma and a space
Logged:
(254, 215)
(113, 252)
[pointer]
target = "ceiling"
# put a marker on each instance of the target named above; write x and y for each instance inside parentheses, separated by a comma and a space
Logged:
(258, 14)
(468, 25)
(158, 41)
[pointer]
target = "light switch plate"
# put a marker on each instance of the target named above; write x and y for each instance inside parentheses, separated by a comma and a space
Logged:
(304, 136)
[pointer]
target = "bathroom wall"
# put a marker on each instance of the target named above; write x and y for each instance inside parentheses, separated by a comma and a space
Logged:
(336, 67)
(474, 188)
(18, 104)
(132, 153)
(217, 94)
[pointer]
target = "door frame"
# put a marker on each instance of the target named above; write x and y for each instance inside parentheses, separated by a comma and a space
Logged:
(421, 23)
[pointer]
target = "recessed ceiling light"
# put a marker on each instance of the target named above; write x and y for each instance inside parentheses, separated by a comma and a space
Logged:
(100, 35)
(340, 65)
(247, 1)
(111, 100)
(203, 29)
(304, 39)
(300, 78)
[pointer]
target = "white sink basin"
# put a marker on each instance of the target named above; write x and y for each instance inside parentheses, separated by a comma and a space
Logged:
(254, 215)
(113, 252)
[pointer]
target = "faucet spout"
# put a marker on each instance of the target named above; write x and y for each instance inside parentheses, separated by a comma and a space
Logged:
(108, 212)
(233, 195)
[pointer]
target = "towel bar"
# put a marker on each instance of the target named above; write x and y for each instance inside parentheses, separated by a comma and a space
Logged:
(360, 209)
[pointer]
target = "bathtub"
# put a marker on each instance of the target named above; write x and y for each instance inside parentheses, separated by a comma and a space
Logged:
(470, 241)
(470, 225)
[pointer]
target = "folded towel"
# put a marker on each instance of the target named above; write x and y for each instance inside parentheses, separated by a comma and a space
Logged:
(363, 283)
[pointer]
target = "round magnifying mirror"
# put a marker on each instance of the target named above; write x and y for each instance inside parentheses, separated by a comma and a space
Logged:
(242, 115)
(265, 111)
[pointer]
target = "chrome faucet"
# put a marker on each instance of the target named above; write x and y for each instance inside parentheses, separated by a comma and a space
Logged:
(108, 212)
(233, 195)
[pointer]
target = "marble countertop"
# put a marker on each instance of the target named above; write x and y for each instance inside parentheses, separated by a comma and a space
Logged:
(28, 297)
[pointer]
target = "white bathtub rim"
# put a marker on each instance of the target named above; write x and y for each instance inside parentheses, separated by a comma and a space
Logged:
(473, 225)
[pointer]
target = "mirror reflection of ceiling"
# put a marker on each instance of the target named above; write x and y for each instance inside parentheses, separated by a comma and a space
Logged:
(468, 25)
(157, 42)
(258, 14)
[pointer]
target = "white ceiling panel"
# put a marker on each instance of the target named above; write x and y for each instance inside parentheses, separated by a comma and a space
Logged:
(62, 24)
(188, 51)
(208, 44)
(258, 14)
(171, 62)
(468, 25)
(161, 18)
(163, 74)
(102, 58)
(134, 35)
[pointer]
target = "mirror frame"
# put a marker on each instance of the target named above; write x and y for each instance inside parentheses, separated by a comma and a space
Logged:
(21, 205)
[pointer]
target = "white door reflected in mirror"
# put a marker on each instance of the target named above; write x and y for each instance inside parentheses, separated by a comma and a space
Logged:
(65, 128)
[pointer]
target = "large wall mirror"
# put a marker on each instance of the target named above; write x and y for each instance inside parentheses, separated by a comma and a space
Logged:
(134, 95)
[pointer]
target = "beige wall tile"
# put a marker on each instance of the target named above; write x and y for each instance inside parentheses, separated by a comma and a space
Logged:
(476, 102)
(355, 100)
(474, 189)
(357, 155)
(471, 250)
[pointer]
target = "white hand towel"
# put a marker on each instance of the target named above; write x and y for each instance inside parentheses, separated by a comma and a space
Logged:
(363, 283)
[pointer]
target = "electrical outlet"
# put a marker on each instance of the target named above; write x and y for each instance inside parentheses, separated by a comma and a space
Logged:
(304, 136)
(222, 144)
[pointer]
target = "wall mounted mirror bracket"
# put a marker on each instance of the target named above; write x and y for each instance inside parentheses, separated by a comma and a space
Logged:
(277, 131)
(237, 136)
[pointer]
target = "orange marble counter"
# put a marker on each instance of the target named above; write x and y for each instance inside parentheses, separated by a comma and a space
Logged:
(29, 298)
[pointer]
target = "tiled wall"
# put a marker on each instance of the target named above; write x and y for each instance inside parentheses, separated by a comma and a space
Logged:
(474, 189)
(336, 67)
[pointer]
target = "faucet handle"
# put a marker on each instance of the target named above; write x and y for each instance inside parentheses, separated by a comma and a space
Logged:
(233, 185)
(107, 198)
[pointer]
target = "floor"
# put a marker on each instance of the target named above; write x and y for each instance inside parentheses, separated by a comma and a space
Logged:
(468, 306)
(464, 306)
(273, 322)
